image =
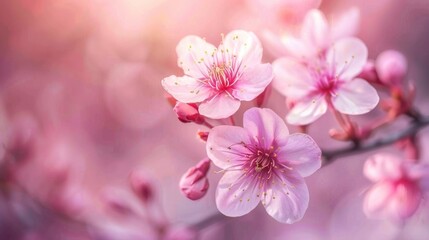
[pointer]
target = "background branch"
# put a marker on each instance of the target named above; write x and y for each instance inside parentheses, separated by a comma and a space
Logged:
(414, 127)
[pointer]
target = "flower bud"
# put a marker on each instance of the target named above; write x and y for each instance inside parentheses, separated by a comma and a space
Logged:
(194, 182)
(369, 73)
(391, 67)
(203, 135)
(188, 112)
(141, 187)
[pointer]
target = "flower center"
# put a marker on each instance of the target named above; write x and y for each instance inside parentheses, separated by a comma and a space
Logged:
(327, 84)
(222, 77)
(263, 162)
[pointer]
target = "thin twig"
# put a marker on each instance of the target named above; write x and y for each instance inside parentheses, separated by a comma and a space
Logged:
(209, 220)
(412, 130)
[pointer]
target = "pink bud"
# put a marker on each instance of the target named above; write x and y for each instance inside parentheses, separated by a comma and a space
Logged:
(369, 73)
(188, 112)
(203, 135)
(141, 186)
(391, 67)
(194, 182)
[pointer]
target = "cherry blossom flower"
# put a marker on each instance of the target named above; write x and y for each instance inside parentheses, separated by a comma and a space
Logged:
(219, 78)
(315, 35)
(398, 189)
(263, 163)
(328, 81)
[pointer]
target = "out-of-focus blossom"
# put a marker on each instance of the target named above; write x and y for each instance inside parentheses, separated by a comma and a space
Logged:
(326, 82)
(141, 186)
(391, 67)
(282, 12)
(188, 112)
(262, 162)
(315, 35)
(398, 189)
(180, 233)
(219, 78)
(194, 183)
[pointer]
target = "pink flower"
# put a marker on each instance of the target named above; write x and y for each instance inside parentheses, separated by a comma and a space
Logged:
(262, 162)
(327, 81)
(398, 189)
(219, 78)
(315, 35)
(194, 183)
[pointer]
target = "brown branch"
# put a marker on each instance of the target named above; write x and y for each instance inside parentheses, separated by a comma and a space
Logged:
(415, 126)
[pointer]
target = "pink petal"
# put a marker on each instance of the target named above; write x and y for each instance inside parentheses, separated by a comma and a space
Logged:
(307, 110)
(292, 79)
(186, 89)
(315, 29)
(345, 25)
(245, 46)
(224, 146)
(348, 57)
(355, 97)
(301, 153)
(299, 49)
(273, 44)
(194, 55)
(253, 82)
(236, 194)
(266, 126)
(287, 198)
(383, 167)
(377, 199)
(220, 106)
(406, 200)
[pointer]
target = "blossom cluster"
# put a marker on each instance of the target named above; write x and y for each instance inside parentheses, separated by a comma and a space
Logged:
(322, 68)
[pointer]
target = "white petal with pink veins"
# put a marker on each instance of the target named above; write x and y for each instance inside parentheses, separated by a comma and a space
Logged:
(307, 110)
(194, 54)
(287, 198)
(186, 89)
(292, 79)
(301, 154)
(355, 97)
(220, 106)
(267, 126)
(347, 56)
(225, 146)
(253, 82)
(237, 194)
(315, 29)
(245, 46)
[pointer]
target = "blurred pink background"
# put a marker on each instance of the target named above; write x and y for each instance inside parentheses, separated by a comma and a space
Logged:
(81, 101)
